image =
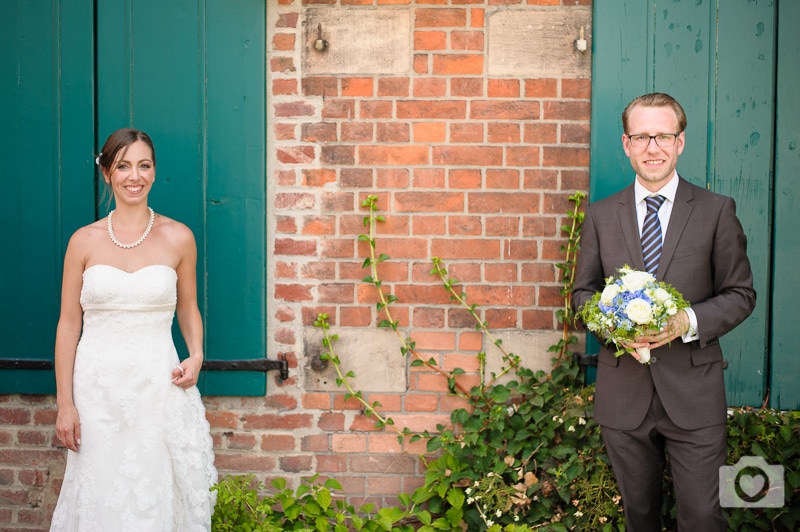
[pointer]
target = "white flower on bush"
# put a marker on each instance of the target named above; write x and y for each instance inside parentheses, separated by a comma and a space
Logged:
(635, 280)
(639, 311)
(609, 293)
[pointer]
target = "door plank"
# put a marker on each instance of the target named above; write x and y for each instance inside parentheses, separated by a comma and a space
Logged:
(741, 130)
(785, 394)
(47, 143)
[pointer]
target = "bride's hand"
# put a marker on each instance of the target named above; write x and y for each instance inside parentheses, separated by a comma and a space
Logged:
(68, 428)
(185, 375)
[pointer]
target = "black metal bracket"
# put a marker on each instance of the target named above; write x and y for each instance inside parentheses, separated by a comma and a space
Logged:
(25, 363)
(255, 364)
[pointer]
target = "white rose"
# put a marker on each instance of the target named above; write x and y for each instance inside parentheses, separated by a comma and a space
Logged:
(639, 311)
(661, 295)
(609, 293)
(634, 280)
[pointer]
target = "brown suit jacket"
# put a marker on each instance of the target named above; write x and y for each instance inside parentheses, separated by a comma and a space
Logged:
(705, 257)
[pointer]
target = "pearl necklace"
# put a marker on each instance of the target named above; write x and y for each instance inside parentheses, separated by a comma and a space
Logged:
(141, 238)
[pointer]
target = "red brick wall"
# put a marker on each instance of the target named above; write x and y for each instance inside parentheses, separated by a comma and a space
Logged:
(472, 169)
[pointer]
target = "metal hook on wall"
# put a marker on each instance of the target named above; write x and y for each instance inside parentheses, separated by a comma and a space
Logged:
(320, 44)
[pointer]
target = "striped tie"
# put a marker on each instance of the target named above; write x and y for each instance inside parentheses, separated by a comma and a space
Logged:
(651, 234)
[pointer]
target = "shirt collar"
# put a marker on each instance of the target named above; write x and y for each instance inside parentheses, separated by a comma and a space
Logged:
(668, 191)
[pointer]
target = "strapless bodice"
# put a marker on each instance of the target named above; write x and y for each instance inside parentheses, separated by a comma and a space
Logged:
(152, 288)
(131, 310)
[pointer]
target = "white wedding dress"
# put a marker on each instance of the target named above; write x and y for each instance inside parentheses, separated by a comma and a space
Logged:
(146, 461)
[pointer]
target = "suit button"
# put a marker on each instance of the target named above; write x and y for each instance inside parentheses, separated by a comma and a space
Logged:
(653, 360)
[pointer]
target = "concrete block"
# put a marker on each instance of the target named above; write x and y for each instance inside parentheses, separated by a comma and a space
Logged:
(539, 43)
(353, 41)
(530, 346)
(372, 355)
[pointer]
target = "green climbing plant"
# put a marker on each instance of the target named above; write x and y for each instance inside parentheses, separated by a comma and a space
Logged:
(523, 455)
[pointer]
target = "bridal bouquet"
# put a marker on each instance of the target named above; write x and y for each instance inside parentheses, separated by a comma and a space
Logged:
(630, 304)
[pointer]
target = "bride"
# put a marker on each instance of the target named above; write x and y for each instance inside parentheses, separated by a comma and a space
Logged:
(139, 446)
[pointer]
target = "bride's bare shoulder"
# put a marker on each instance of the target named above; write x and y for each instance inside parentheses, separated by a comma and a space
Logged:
(174, 230)
(90, 233)
(87, 240)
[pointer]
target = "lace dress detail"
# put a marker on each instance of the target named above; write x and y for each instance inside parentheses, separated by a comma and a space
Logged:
(146, 460)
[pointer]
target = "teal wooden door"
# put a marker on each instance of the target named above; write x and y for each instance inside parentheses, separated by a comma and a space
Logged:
(191, 74)
(718, 59)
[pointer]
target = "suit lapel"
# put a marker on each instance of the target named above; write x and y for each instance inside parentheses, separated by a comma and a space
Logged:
(629, 228)
(681, 210)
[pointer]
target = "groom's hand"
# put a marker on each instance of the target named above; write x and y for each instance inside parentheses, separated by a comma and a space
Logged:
(677, 326)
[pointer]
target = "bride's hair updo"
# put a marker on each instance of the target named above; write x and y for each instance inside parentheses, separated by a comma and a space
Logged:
(117, 142)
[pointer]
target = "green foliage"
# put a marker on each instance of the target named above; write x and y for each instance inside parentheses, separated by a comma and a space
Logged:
(525, 463)
(244, 505)
(524, 455)
(774, 436)
(526, 452)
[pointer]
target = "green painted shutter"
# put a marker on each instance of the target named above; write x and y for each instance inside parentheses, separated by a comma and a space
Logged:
(191, 74)
(236, 194)
(716, 58)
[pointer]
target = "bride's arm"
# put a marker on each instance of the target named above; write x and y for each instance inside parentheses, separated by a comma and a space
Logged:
(68, 425)
(189, 319)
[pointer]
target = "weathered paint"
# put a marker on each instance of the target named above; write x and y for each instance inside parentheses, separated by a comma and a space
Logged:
(785, 367)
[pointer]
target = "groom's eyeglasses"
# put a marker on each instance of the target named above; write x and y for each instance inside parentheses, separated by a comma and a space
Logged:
(664, 140)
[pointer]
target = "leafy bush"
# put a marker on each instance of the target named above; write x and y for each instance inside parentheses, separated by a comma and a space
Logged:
(244, 506)
(559, 479)
(774, 436)
(526, 452)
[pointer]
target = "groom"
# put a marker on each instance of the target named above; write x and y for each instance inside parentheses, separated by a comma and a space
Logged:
(676, 405)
